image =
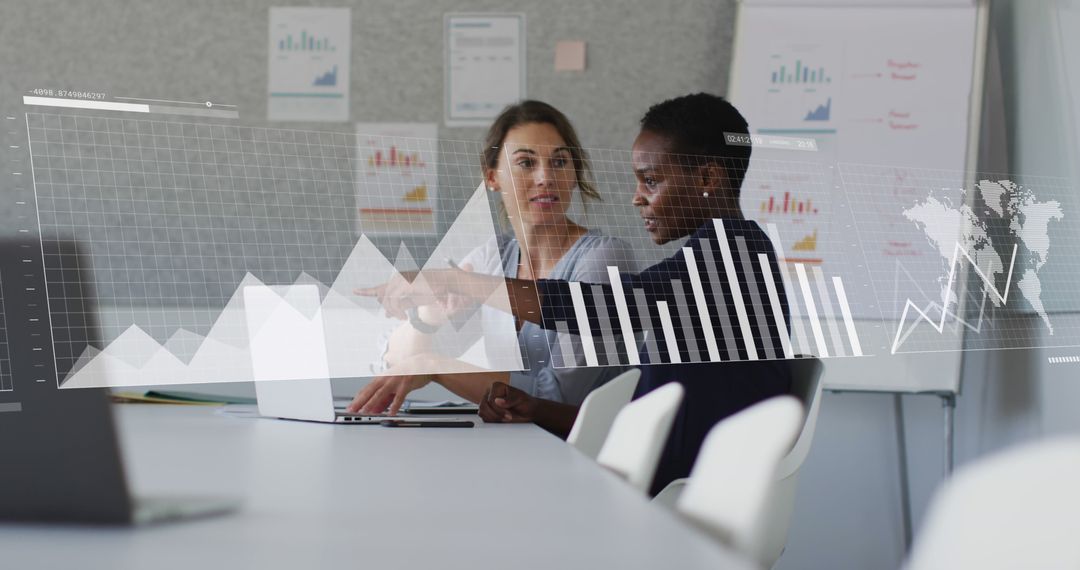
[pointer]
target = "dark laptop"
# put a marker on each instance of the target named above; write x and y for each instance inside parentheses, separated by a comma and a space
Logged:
(60, 459)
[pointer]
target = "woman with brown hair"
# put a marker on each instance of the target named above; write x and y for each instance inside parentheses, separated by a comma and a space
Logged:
(533, 160)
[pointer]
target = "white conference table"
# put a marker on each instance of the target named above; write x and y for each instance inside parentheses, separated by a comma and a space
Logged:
(315, 495)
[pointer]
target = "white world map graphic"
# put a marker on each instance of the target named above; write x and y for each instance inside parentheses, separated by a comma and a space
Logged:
(1013, 220)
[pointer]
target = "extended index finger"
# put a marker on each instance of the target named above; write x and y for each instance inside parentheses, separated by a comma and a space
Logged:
(376, 291)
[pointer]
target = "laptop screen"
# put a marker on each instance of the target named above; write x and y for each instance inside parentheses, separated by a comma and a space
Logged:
(60, 454)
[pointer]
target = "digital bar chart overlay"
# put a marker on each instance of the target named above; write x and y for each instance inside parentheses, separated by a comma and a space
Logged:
(694, 323)
(788, 204)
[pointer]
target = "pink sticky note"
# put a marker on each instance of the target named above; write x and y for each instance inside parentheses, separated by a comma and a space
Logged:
(570, 55)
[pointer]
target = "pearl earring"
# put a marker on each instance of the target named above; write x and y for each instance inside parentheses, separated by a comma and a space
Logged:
(705, 194)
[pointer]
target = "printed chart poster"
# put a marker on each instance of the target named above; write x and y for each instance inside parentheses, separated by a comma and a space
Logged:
(309, 64)
(396, 178)
(485, 66)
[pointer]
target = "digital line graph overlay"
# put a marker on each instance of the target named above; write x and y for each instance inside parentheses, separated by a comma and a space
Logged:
(6, 382)
(967, 261)
(183, 220)
(904, 330)
(735, 290)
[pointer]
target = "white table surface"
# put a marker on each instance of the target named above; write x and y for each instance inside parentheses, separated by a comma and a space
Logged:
(315, 495)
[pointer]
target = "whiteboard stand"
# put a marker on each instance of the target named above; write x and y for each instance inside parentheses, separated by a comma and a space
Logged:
(948, 405)
(935, 374)
(901, 453)
(948, 402)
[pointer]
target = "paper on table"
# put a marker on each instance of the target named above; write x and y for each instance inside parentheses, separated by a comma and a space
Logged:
(152, 398)
(239, 411)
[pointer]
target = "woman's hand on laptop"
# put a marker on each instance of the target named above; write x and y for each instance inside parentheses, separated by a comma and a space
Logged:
(504, 403)
(388, 391)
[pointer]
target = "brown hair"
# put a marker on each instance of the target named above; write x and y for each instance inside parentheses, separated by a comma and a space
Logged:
(531, 111)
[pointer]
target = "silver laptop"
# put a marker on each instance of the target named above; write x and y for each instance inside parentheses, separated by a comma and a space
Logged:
(61, 457)
(308, 400)
(313, 401)
(288, 340)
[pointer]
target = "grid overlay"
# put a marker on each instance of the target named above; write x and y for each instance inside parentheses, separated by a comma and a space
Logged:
(181, 217)
(1002, 247)
(6, 382)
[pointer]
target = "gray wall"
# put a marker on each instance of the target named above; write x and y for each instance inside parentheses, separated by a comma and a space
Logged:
(202, 50)
(640, 52)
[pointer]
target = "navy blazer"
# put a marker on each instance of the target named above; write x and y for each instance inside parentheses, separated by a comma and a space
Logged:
(714, 389)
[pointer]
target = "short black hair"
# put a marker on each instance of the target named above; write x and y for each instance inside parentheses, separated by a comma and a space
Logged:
(695, 125)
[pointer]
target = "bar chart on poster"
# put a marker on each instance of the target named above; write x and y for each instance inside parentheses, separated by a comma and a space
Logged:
(214, 183)
(397, 178)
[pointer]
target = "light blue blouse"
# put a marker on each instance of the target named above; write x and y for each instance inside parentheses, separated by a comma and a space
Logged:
(587, 262)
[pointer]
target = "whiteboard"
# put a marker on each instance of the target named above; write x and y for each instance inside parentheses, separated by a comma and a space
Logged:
(873, 83)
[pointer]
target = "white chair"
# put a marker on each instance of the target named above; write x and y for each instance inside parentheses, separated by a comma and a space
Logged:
(806, 386)
(730, 487)
(637, 437)
(1016, 509)
(598, 412)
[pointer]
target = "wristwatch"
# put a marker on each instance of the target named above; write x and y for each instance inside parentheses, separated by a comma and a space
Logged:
(418, 323)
